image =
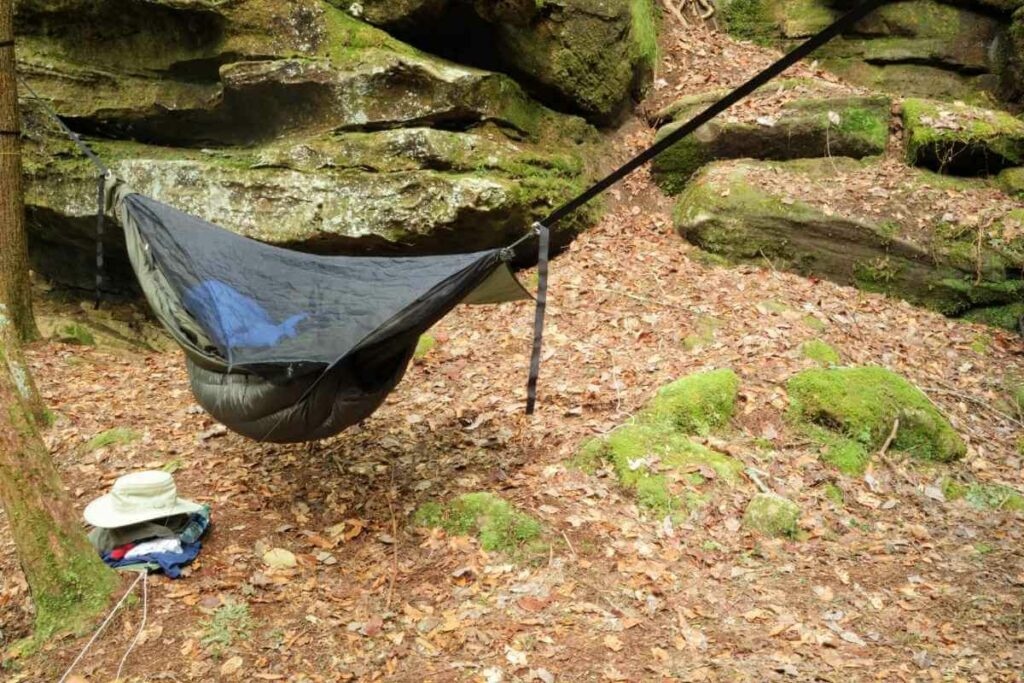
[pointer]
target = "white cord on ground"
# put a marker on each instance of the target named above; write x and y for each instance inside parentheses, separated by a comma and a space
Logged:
(142, 624)
(100, 629)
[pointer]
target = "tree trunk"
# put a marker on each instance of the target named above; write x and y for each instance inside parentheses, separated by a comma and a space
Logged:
(70, 584)
(15, 290)
(19, 371)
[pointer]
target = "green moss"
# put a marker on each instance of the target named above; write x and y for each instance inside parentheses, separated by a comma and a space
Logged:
(73, 333)
(981, 344)
(1007, 317)
(835, 494)
(1011, 181)
(696, 404)
(117, 435)
(846, 455)
(229, 624)
(985, 496)
(590, 456)
(703, 334)
(663, 467)
(645, 31)
(862, 404)
(820, 352)
(772, 515)
(673, 168)
(995, 136)
(749, 20)
(424, 346)
(814, 323)
(496, 523)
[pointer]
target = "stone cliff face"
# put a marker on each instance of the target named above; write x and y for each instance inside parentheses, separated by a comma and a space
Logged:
(301, 124)
(969, 50)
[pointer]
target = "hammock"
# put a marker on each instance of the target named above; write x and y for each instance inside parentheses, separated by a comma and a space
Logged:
(286, 347)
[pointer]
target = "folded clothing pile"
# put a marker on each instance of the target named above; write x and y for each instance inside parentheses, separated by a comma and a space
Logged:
(142, 525)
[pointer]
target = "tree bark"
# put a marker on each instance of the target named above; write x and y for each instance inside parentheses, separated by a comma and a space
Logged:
(19, 372)
(70, 585)
(15, 289)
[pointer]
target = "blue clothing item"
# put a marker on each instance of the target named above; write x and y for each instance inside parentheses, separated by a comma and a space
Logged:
(170, 563)
(235, 320)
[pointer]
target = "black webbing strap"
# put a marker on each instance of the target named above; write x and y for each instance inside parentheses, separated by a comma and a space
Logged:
(101, 204)
(82, 147)
(843, 23)
(6, 43)
(101, 209)
(544, 240)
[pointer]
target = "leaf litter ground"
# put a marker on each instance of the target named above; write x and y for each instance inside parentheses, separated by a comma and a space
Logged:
(892, 583)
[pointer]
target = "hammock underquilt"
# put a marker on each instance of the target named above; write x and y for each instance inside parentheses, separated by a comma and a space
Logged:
(285, 346)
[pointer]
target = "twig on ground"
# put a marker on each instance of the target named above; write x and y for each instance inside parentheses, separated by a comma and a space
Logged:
(569, 543)
(753, 474)
(892, 436)
(977, 401)
(394, 537)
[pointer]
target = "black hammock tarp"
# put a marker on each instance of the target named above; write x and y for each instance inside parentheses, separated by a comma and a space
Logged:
(285, 346)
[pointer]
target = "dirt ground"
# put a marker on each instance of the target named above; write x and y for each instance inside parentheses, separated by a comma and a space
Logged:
(894, 583)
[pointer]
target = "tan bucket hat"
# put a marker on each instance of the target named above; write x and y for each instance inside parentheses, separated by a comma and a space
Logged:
(138, 497)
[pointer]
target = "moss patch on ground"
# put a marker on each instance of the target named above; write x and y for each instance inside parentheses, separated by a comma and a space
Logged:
(498, 525)
(1007, 317)
(652, 454)
(985, 496)
(703, 333)
(111, 437)
(772, 515)
(424, 346)
(820, 352)
(851, 412)
(696, 404)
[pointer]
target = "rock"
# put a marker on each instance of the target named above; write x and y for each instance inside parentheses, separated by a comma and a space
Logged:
(922, 48)
(1013, 58)
(1011, 180)
(749, 211)
(498, 525)
(595, 55)
(853, 410)
(415, 190)
(1009, 317)
(960, 139)
(592, 57)
(279, 558)
(810, 127)
(652, 456)
(772, 515)
(696, 404)
(320, 132)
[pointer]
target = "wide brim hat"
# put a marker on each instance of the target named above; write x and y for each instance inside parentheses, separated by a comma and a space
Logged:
(136, 498)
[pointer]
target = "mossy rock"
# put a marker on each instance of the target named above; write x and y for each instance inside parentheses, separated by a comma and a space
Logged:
(696, 404)
(593, 58)
(1011, 181)
(1008, 317)
(652, 456)
(498, 525)
(815, 126)
(820, 352)
(74, 333)
(749, 20)
(861, 405)
(773, 515)
(667, 472)
(985, 496)
(960, 139)
(727, 209)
